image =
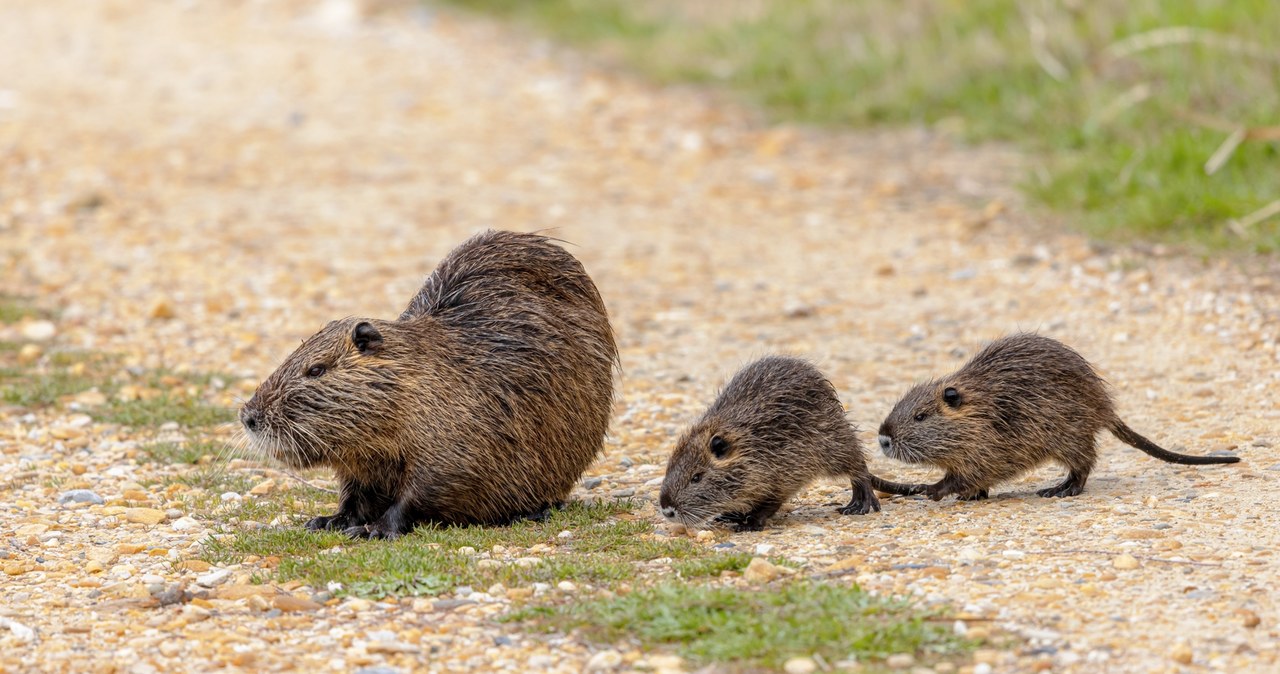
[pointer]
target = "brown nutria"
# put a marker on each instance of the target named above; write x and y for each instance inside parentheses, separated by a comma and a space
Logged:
(482, 403)
(1021, 401)
(774, 428)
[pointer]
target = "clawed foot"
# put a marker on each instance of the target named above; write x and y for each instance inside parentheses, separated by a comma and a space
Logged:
(1068, 488)
(980, 495)
(861, 504)
(740, 522)
(375, 530)
(327, 523)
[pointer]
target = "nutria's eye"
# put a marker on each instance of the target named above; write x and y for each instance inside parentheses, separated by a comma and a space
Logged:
(697, 477)
(921, 416)
(951, 397)
(315, 370)
(719, 446)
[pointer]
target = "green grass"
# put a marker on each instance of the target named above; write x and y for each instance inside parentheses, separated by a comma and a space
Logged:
(14, 309)
(183, 452)
(1118, 136)
(755, 627)
(608, 547)
(65, 373)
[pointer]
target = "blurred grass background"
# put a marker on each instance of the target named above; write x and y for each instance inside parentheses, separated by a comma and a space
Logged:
(1153, 119)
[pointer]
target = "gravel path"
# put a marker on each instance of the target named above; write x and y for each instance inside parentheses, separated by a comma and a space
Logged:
(199, 185)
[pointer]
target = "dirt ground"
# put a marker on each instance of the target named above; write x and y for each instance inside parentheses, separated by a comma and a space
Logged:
(199, 185)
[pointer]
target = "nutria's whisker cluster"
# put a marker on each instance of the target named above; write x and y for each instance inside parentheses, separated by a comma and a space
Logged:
(482, 403)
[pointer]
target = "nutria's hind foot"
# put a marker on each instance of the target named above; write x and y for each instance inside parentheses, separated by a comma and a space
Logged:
(862, 501)
(979, 495)
(1072, 486)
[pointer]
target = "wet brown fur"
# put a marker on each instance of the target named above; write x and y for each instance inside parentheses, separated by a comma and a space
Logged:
(1021, 401)
(482, 403)
(782, 426)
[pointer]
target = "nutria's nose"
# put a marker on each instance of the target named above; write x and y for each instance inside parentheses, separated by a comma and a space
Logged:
(250, 418)
(669, 512)
(886, 443)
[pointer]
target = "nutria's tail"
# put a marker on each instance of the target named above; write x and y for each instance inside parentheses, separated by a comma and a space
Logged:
(897, 487)
(1131, 438)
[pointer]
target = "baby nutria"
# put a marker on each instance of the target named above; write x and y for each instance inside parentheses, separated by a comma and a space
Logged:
(777, 425)
(482, 403)
(1023, 400)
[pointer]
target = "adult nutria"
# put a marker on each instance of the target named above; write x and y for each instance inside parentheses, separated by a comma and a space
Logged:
(775, 427)
(1023, 400)
(482, 403)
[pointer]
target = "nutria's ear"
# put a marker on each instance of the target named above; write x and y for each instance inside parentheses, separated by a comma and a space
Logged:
(366, 338)
(719, 446)
(951, 397)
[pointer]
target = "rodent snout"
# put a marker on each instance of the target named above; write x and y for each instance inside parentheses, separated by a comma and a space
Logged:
(668, 512)
(251, 418)
(886, 443)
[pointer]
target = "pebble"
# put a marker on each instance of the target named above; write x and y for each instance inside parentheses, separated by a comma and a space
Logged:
(566, 586)
(900, 660)
(592, 482)
(1125, 562)
(800, 666)
(79, 496)
(760, 571)
(144, 515)
(604, 661)
(213, 578)
(1181, 653)
(185, 524)
(39, 331)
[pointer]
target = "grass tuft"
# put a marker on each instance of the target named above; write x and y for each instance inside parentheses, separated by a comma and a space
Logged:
(1119, 133)
(159, 396)
(754, 627)
(608, 545)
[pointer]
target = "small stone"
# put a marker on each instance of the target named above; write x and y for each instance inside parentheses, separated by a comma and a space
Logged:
(161, 309)
(195, 613)
(592, 482)
(982, 668)
(39, 331)
(197, 565)
(29, 353)
(1181, 653)
(144, 515)
(900, 660)
(230, 496)
(257, 602)
(263, 488)
(604, 661)
(705, 535)
(527, 562)
(1248, 618)
(213, 578)
(289, 603)
(79, 496)
(800, 666)
(760, 571)
(566, 586)
(18, 630)
(565, 535)
(986, 656)
(764, 548)
(186, 524)
(1125, 562)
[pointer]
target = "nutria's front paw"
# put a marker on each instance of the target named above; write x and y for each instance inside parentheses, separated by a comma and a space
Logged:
(326, 523)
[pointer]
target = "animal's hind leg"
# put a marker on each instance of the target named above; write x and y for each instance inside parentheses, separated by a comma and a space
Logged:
(1079, 465)
(862, 501)
(1072, 486)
